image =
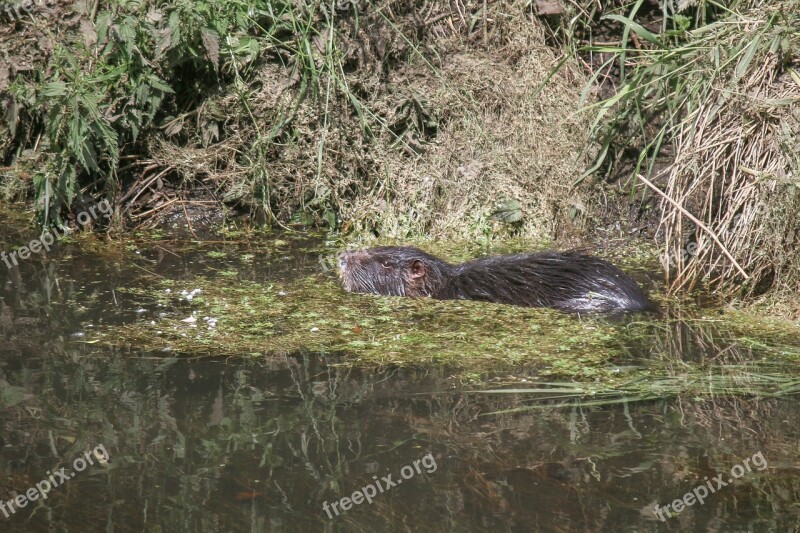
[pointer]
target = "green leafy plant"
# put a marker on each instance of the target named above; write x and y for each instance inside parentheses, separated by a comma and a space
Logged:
(100, 93)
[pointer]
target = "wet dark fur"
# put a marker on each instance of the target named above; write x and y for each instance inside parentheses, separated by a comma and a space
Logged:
(568, 281)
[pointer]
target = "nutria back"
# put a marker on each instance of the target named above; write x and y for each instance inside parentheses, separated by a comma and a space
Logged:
(568, 281)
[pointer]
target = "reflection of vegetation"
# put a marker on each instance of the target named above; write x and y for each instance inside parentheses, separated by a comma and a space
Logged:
(49, 293)
(191, 433)
(39, 301)
(637, 455)
(729, 381)
(232, 444)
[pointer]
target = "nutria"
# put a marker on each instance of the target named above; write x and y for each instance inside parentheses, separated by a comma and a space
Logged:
(569, 281)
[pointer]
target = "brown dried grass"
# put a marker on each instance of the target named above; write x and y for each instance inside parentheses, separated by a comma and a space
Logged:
(716, 107)
(447, 126)
(737, 170)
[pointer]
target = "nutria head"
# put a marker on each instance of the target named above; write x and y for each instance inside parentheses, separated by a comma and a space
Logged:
(392, 271)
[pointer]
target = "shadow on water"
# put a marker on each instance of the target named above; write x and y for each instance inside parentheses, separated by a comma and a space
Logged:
(261, 444)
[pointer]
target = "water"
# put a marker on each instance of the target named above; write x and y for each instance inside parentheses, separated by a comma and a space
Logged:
(246, 443)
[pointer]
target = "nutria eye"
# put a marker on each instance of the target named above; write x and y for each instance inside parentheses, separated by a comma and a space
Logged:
(386, 264)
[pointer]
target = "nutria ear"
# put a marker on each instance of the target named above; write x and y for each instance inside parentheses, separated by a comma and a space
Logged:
(417, 269)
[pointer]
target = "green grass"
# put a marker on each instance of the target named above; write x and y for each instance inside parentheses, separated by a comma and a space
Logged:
(146, 67)
(698, 384)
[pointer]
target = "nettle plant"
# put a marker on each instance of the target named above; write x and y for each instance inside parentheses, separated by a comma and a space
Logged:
(103, 88)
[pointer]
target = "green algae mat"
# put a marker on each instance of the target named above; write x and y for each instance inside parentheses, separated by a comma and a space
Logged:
(717, 351)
